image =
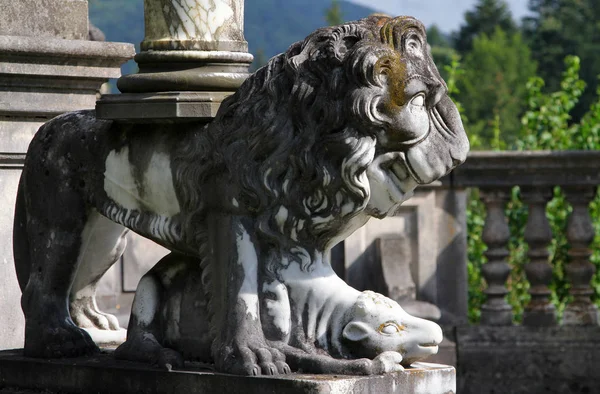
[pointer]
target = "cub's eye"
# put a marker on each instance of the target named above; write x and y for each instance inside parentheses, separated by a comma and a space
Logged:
(389, 328)
(418, 100)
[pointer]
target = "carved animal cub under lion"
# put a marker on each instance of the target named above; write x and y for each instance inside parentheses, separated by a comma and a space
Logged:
(340, 128)
(313, 312)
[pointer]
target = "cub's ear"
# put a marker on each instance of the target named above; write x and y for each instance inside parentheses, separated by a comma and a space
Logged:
(356, 331)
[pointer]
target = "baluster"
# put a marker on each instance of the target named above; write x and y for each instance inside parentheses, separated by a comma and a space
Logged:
(538, 235)
(495, 311)
(580, 233)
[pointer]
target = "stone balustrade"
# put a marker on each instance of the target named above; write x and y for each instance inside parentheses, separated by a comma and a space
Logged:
(536, 173)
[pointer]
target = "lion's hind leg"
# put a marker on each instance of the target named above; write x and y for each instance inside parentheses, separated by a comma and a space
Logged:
(55, 239)
(103, 243)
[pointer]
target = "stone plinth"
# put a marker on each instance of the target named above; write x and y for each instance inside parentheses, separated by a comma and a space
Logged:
(41, 76)
(103, 374)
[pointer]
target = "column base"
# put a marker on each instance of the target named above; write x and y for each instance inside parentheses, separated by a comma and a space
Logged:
(580, 315)
(496, 316)
(539, 315)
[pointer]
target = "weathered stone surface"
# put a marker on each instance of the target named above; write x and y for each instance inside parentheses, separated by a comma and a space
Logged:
(41, 77)
(531, 168)
(102, 375)
(67, 19)
(166, 106)
(46, 68)
(11, 322)
(216, 25)
(528, 359)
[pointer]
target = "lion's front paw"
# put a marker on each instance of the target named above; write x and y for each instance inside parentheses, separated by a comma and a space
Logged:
(387, 362)
(251, 360)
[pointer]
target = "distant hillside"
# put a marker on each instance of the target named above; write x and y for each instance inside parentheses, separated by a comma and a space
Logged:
(271, 26)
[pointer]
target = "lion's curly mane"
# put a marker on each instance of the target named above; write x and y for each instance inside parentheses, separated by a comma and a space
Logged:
(298, 134)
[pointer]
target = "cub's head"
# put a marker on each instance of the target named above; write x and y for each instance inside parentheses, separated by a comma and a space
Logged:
(378, 324)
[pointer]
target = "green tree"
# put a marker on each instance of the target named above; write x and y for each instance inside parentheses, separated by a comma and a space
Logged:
(333, 14)
(493, 87)
(483, 19)
(441, 49)
(557, 28)
(260, 59)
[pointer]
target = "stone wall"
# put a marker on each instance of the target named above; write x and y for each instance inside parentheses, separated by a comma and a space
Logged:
(528, 360)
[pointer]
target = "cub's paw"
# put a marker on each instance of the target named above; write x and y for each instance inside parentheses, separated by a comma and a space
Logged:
(387, 362)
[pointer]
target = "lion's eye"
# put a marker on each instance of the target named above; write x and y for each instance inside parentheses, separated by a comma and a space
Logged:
(418, 100)
(389, 328)
(413, 43)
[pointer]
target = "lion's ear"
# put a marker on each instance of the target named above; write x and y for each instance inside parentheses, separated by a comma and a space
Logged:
(356, 331)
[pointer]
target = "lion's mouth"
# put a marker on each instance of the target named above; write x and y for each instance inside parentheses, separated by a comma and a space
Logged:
(400, 173)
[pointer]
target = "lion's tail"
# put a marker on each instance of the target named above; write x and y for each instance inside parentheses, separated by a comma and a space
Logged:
(21, 239)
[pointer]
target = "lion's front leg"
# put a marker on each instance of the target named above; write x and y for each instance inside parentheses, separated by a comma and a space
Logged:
(240, 346)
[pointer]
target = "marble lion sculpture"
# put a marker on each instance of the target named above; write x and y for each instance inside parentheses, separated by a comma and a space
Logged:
(340, 128)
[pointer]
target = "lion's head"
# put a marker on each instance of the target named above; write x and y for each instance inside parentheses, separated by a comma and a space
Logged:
(348, 121)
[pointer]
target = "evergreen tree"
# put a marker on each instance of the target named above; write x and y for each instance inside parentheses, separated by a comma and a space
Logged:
(487, 15)
(558, 28)
(441, 49)
(493, 87)
(333, 14)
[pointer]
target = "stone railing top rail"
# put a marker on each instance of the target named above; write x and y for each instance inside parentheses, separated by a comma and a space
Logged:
(527, 168)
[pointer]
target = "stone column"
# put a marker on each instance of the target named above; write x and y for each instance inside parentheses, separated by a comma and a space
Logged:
(47, 67)
(192, 57)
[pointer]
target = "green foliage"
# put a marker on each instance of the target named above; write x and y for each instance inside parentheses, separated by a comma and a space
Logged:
(259, 60)
(557, 28)
(484, 19)
(441, 49)
(546, 125)
(492, 87)
(546, 122)
(333, 14)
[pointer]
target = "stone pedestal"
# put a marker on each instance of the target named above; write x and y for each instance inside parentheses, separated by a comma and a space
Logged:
(192, 57)
(103, 374)
(47, 67)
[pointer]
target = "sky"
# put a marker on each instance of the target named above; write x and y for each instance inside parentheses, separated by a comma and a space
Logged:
(448, 15)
